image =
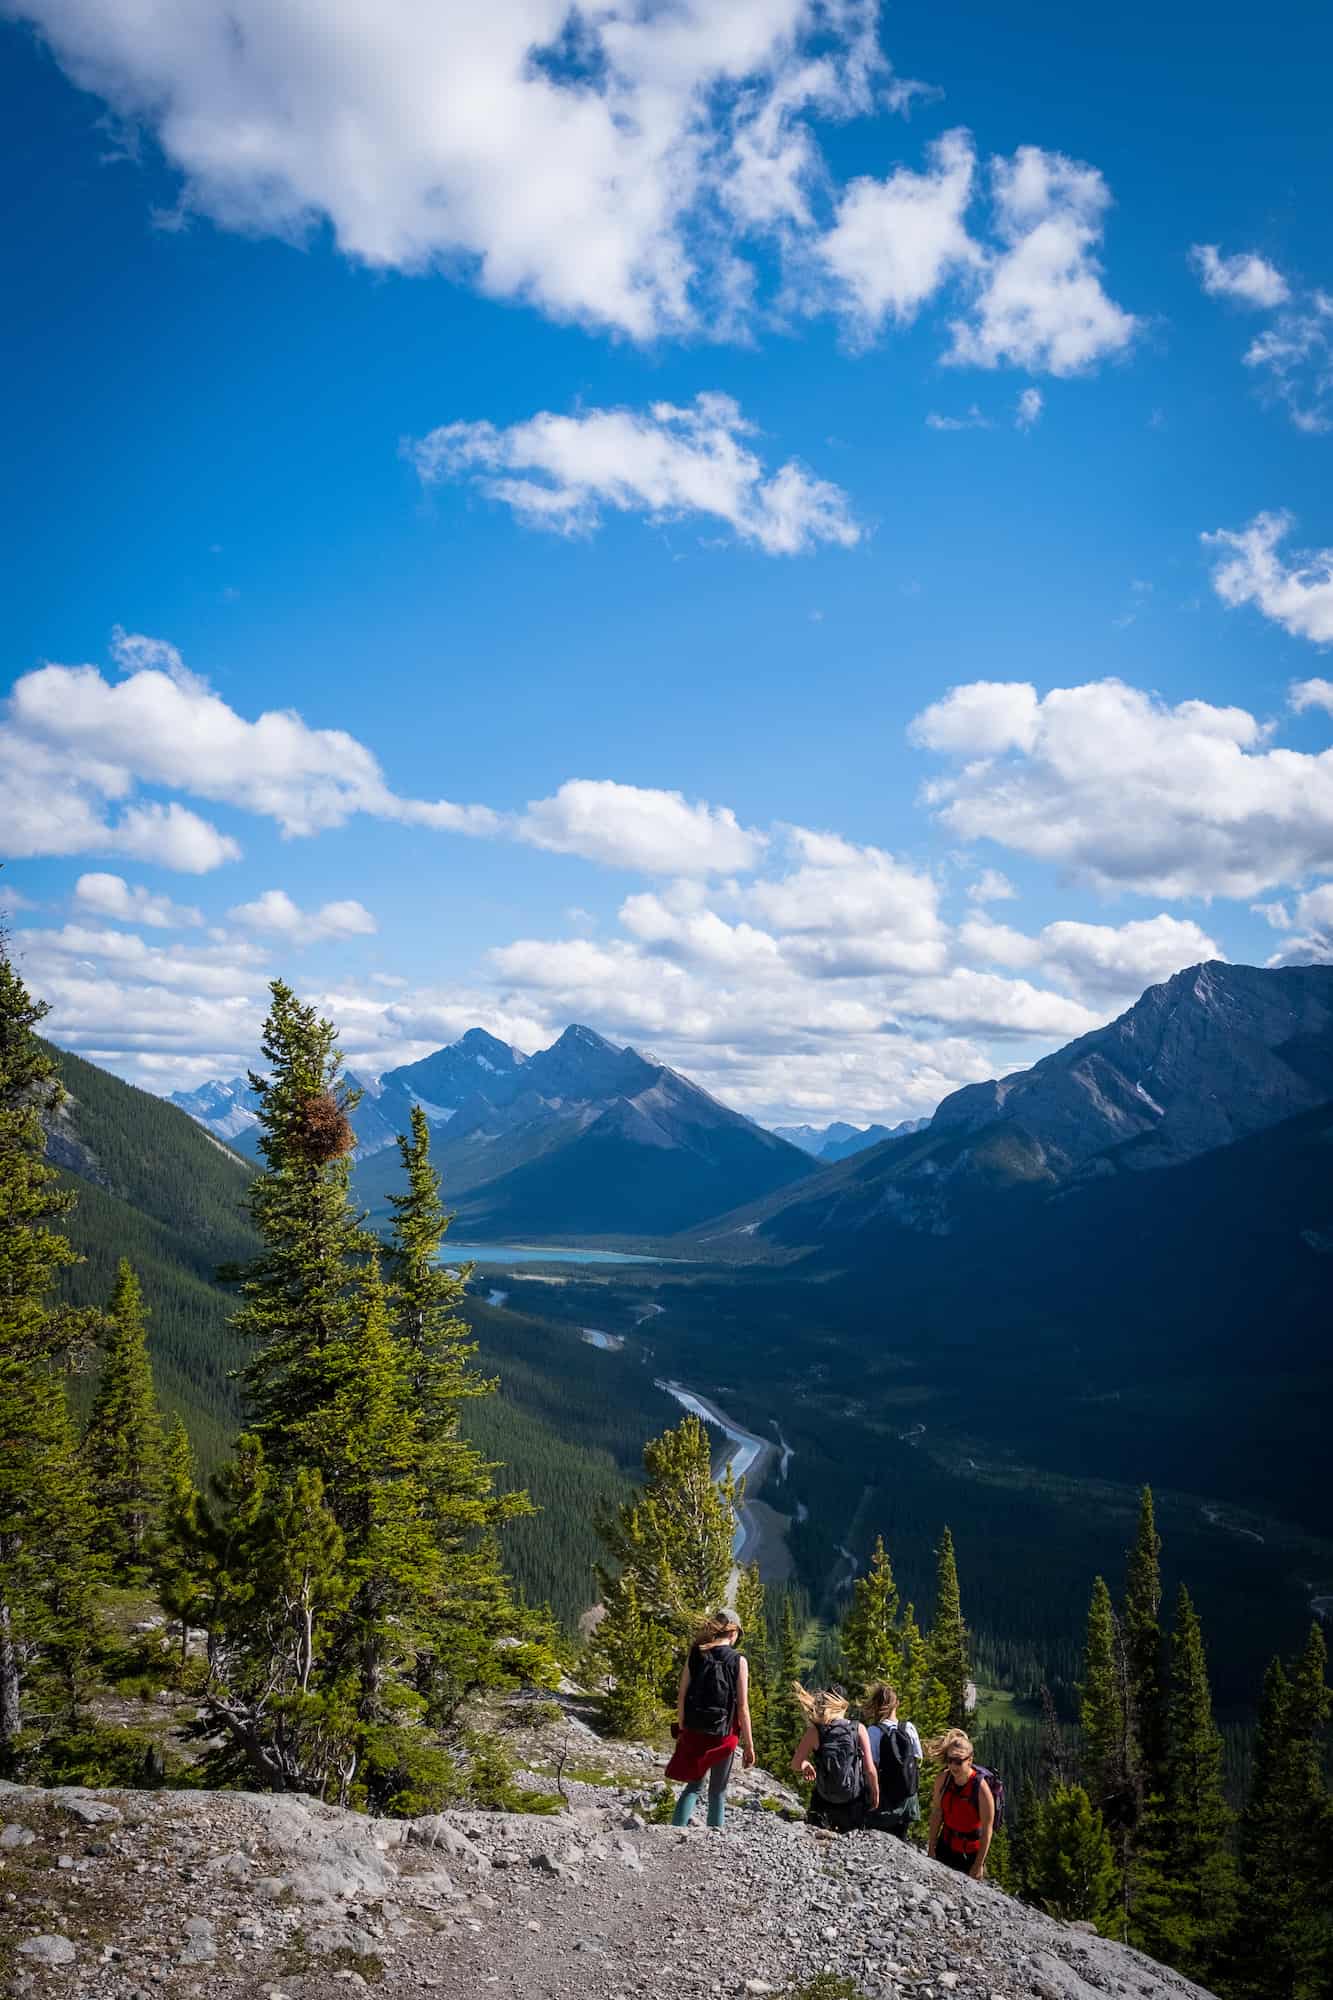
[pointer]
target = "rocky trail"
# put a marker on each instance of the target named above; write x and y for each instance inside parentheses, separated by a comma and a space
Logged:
(214, 1896)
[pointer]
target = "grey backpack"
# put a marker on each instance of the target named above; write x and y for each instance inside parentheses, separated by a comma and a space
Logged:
(839, 1769)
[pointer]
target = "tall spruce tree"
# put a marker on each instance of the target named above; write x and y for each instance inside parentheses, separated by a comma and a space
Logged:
(946, 1648)
(123, 1441)
(1286, 1939)
(1185, 1907)
(46, 1569)
(175, 1574)
(1108, 1759)
(356, 1392)
(426, 1295)
(670, 1549)
(788, 1719)
(365, 1440)
(752, 1610)
(300, 1295)
(871, 1644)
(1143, 1645)
(1070, 1868)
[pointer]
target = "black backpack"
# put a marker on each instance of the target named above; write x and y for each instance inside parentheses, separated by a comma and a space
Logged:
(899, 1767)
(710, 1698)
(839, 1770)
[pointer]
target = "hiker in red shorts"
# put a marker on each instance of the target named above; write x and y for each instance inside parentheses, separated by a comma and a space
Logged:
(712, 1718)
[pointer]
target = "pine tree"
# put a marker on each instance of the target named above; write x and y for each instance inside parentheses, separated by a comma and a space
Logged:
(870, 1641)
(273, 1585)
(1286, 1938)
(922, 1699)
(356, 1389)
(1025, 1841)
(175, 1577)
(671, 1547)
(1103, 1715)
(46, 1571)
(365, 1441)
(457, 1652)
(1071, 1868)
(638, 1654)
(946, 1648)
(300, 1295)
(123, 1442)
(752, 1610)
(1143, 1645)
(678, 1530)
(788, 1720)
(1186, 1903)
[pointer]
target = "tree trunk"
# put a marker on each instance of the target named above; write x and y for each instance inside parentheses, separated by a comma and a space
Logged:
(11, 1716)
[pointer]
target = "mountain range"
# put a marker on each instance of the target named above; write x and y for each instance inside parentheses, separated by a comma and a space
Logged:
(839, 1141)
(1217, 1054)
(582, 1138)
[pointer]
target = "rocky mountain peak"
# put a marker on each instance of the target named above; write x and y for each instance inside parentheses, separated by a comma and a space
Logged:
(1211, 1055)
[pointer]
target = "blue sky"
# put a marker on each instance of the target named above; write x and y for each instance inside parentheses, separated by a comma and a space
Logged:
(356, 374)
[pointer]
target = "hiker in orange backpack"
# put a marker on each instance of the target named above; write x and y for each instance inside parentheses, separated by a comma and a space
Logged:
(962, 1809)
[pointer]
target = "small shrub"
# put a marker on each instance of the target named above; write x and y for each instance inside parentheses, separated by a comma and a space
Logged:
(826, 1986)
(532, 1714)
(489, 1776)
(403, 1775)
(101, 1755)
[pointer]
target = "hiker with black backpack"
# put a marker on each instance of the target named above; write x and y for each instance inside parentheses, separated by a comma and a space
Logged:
(965, 1808)
(834, 1756)
(712, 1718)
(896, 1749)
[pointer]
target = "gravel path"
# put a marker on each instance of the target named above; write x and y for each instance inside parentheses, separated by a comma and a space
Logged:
(211, 1896)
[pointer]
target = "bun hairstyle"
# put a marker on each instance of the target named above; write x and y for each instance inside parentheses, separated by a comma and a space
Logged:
(823, 1706)
(716, 1626)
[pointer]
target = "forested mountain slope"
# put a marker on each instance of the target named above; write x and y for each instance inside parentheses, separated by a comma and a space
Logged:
(153, 1186)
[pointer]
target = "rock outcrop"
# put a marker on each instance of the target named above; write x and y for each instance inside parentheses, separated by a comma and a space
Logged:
(214, 1896)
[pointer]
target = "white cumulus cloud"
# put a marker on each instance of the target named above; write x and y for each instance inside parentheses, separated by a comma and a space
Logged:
(74, 742)
(1312, 694)
(1175, 800)
(275, 914)
(1246, 277)
(605, 162)
(1096, 959)
(132, 903)
(1028, 409)
(565, 472)
(634, 826)
(1299, 596)
(1041, 304)
(895, 241)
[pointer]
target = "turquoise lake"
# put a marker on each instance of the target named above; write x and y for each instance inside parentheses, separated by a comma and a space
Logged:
(527, 1253)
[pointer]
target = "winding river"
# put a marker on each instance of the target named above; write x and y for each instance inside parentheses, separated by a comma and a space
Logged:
(749, 1461)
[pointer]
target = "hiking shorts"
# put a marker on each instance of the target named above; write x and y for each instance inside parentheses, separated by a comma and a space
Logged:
(847, 1818)
(955, 1857)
